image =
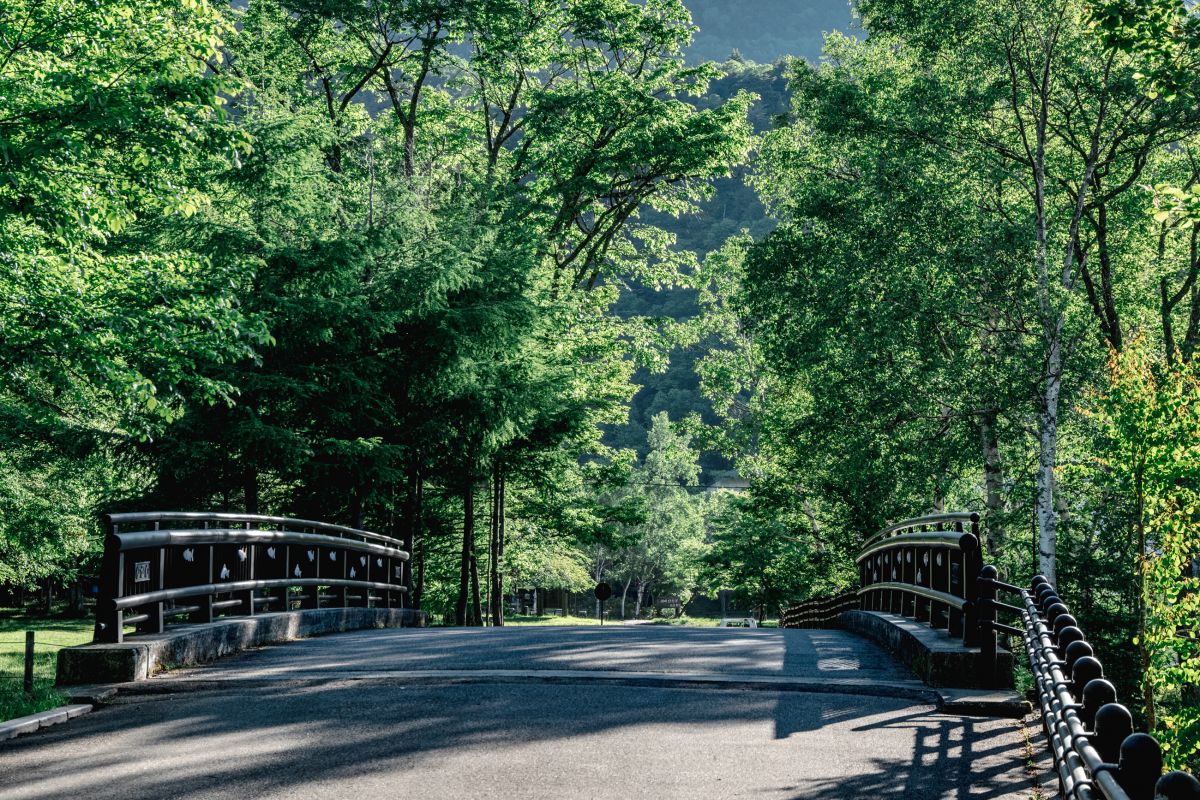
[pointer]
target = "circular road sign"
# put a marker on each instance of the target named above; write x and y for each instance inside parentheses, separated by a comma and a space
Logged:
(602, 591)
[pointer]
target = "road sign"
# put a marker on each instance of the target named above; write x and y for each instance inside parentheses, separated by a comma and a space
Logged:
(602, 591)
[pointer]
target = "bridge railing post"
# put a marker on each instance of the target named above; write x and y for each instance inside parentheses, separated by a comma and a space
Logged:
(972, 566)
(108, 627)
(986, 615)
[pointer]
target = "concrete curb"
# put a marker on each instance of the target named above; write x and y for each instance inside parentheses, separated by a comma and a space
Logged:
(188, 645)
(43, 719)
(1002, 703)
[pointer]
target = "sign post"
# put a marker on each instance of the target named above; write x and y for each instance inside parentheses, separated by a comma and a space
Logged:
(602, 591)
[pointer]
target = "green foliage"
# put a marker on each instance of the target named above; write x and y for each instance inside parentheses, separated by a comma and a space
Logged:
(1149, 415)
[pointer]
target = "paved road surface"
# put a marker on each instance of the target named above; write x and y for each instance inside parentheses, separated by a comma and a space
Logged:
(620, 712)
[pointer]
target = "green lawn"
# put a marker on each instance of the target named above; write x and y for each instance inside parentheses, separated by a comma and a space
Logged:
(551, 620)
(50, 634)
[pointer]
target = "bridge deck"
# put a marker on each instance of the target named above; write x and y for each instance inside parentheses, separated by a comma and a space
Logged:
(619, 712)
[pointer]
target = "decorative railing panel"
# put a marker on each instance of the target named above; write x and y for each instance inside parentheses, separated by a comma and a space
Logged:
(924, 568)
(161, 567)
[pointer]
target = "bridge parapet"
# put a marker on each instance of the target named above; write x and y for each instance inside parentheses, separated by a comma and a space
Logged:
(929, 570)
(924, 568)
(166, 566)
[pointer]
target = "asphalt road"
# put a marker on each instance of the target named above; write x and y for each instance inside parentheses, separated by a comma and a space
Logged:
(619, 712)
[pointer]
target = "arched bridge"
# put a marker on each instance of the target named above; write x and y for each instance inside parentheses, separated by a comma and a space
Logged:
(615, 712)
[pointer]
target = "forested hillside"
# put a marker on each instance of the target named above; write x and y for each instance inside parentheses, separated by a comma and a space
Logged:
(761, 35)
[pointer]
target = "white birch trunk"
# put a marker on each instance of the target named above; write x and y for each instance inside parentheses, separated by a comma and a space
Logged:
(1047, 518)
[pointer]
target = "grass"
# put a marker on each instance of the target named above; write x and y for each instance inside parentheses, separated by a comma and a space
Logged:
(50, 634)
(519, 620)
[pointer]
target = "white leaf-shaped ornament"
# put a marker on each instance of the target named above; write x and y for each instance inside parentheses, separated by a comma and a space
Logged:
(362, 560)
(224, 572)
(918, 576)
(332, 555)
(271, 552)
(353, 573)
(312, 555)
(379, 562)
(242, 554)
(297, 573)
(189, 555)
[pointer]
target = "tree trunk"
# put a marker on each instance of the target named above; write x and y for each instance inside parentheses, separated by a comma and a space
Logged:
(497, 547)
(468, 548)
(637, 603)
(250, 487)
(1047, 517)
(598, 573)
(993, 477)
(476, 608)
(1143, 645)
(625, 592)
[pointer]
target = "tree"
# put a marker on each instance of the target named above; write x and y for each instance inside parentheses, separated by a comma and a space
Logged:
(1149, 414)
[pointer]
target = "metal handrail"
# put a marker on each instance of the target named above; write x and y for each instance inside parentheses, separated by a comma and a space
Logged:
(949, 539)
(956, 517)
(1096, 753)
(144, 539)
(111, 520)
(951, 600)
(223, 569)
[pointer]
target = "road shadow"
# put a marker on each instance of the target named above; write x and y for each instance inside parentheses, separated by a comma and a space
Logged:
(360, 737)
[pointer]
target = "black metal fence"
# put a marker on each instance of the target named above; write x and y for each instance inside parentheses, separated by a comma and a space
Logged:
(1096, 753)
(163, 567)
(931, 569)
(922, 568)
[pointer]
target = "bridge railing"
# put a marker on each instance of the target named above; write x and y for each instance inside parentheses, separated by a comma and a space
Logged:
(924, 568)
(162, 567)
(1096, 753)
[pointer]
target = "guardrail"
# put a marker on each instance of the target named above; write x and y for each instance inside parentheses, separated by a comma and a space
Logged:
(167, 566)
(1096, 753)
(923, 568)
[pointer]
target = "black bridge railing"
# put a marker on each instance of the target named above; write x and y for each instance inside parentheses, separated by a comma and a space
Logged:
(924, 568)
(931, 569)
(165, 567)
(1096, 753)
